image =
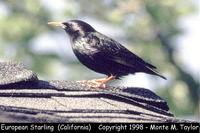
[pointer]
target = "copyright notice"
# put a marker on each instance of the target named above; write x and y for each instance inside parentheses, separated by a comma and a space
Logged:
(101, 127)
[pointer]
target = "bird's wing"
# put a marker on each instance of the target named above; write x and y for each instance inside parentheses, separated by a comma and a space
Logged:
(118, 53)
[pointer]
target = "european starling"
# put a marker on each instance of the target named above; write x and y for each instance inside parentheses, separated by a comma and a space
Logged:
(103, 54)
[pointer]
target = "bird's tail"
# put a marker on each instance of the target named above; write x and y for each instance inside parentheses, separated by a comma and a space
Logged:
(154, 72)
(161, 76)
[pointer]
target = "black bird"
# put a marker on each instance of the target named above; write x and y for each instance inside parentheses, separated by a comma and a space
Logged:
(103, 54)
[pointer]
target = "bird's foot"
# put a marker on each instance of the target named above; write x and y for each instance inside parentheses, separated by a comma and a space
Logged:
(92, 84)
(97, 83)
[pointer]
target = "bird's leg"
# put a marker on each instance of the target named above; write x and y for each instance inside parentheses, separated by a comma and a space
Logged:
(98, 83)
(101, 83)
(104, 80)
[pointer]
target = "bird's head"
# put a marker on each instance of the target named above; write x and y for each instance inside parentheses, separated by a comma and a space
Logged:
(74, 28)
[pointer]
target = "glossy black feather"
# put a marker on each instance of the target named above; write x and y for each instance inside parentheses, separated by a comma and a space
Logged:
(103, 54)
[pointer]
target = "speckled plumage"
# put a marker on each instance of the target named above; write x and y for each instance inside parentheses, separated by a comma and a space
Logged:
(103, 54)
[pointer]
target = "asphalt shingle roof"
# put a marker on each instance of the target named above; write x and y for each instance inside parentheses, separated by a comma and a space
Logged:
(25, 98)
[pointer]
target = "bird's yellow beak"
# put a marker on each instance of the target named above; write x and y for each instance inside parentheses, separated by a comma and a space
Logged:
(59, 24)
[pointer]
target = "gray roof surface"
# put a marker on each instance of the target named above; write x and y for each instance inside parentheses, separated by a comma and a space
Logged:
(24, 98)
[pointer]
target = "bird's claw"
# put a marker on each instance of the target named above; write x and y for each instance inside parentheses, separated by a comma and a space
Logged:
(92, 84)
(97, 83)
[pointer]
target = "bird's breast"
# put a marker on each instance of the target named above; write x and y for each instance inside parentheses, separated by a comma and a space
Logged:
(82, 46)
